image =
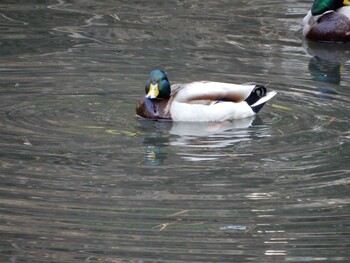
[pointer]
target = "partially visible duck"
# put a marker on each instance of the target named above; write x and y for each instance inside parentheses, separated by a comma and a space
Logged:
(200, 101)
(328, 20)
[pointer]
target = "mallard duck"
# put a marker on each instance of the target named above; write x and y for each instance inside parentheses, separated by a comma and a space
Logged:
(328, 20)
(199, 101)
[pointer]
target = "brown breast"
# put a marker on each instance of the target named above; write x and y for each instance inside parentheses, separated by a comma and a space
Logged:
(152, 108)
(330, 27)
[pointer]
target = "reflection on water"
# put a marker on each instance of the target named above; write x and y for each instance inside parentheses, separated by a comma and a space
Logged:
(326, 64)
(206, 136)
(194, 139)
(183, 129)
(84, 180)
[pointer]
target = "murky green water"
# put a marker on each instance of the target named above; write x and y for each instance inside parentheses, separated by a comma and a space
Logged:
(84, 180)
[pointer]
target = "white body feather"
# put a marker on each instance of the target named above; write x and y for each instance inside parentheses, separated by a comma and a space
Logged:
(193, 90)
(345, 10)
(215, 112)
(308, 21)
(182, 109)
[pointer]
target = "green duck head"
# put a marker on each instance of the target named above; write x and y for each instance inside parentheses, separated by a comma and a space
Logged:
(321, 6)
(158, 86)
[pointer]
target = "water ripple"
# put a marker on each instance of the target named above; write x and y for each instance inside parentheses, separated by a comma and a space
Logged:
(82, 179)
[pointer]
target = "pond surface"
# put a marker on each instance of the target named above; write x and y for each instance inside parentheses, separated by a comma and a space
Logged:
(84, 180)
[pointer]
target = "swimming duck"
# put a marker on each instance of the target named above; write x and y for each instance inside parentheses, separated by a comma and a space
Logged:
(328, 20)
(199, 101)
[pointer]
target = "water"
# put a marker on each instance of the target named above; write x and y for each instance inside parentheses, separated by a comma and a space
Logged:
(84, 180)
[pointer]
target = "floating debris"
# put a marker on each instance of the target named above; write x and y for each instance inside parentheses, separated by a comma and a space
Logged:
(178, 213)
(244, 228)
(125, 133)
(26, 142)
(234, 227)
(165, 225)
(115, 16)
(277, 106)
(94, 127)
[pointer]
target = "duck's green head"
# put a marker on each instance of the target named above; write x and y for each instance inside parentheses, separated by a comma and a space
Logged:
(158, 85)
(321, 6)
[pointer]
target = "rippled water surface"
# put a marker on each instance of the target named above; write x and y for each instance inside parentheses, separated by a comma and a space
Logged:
(84, 180)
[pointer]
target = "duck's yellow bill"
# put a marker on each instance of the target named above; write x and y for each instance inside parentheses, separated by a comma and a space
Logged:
(346, 2)
(153, 91)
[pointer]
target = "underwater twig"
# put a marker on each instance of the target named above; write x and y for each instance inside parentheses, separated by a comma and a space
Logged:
(26, 142)
(250, 228)
(165, 225)
(328, 122)
(115, 16)
(280, 131)
(178, 213)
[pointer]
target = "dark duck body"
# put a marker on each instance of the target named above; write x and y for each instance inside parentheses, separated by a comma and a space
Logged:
(328, 21)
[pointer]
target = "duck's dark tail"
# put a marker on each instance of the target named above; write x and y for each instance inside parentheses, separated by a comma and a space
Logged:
(259, 97)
